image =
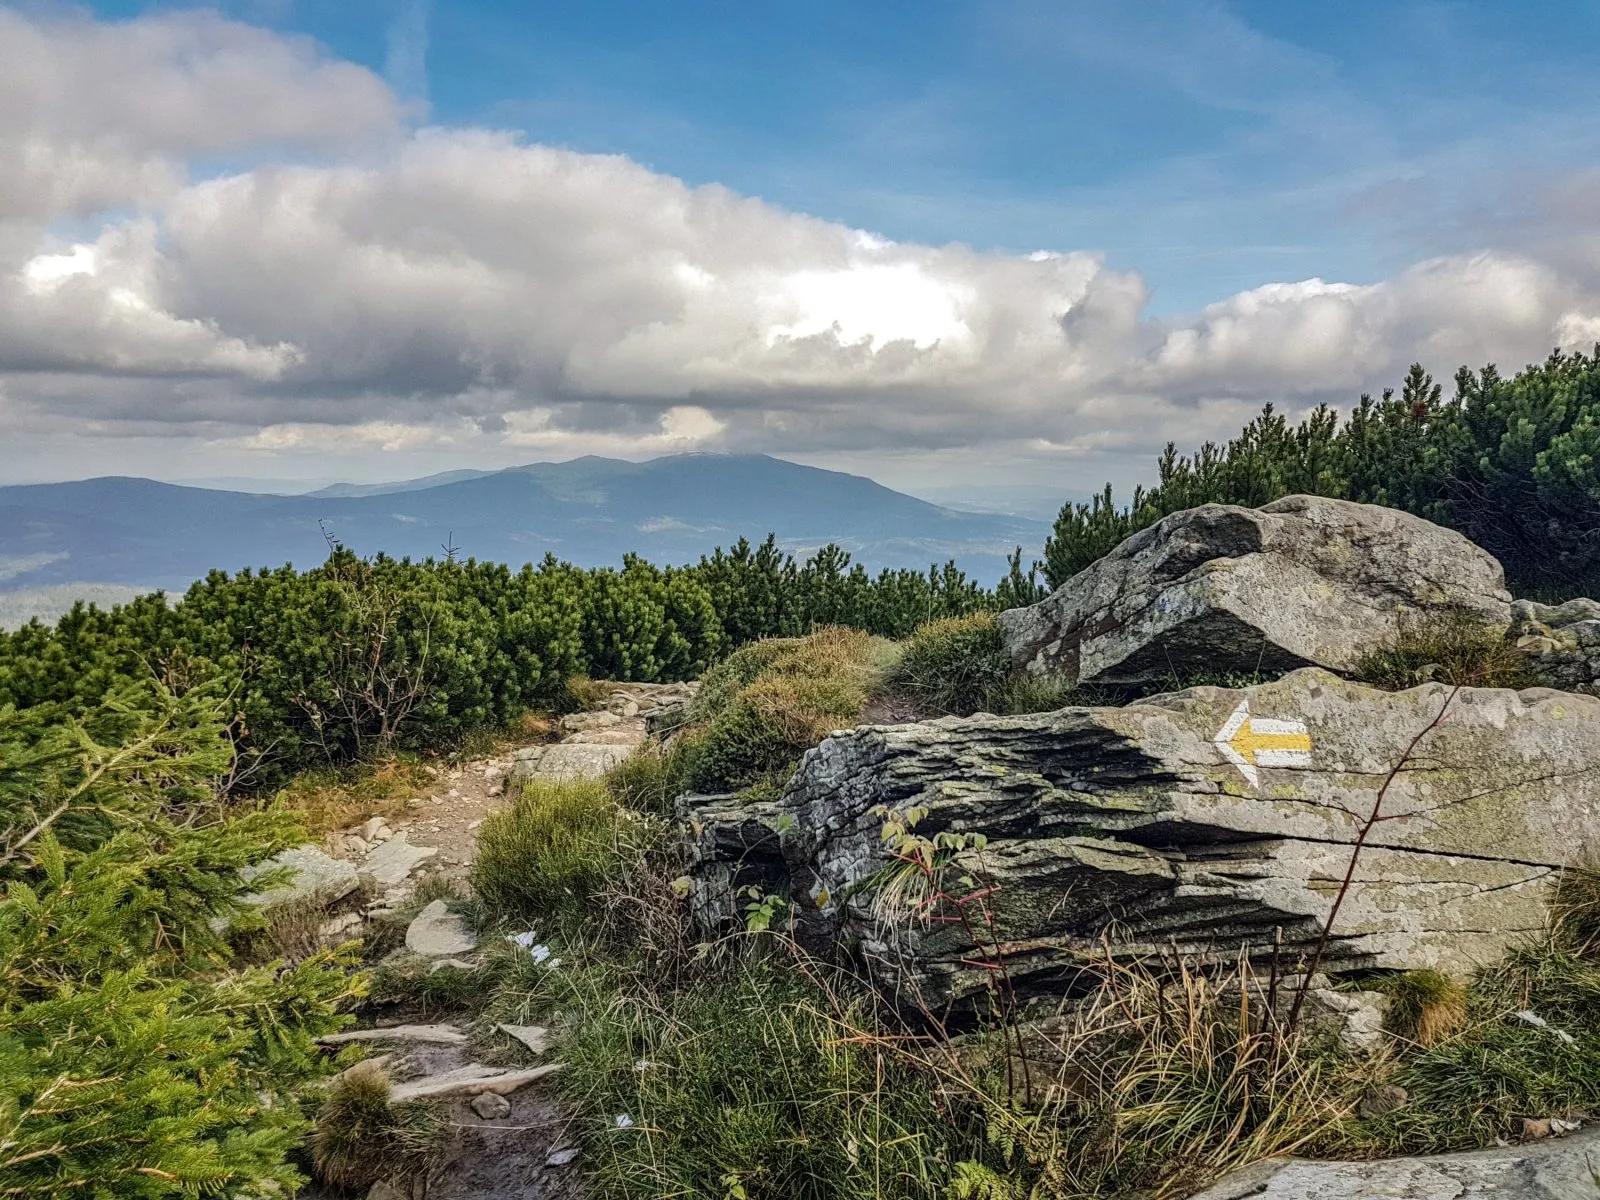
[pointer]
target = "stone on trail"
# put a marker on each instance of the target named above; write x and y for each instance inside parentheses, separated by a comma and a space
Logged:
(1201, 820)
(439, 933)
(393, 860)
(570, 760)
(1564, 1169)
(536, 1038)
(316, 877)
(444, 1035)
(474, 1079)
(491, 1106)
(1304, 581)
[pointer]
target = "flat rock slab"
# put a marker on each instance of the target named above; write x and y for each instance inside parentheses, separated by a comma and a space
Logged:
(536, 1038)
(1214, 590)
(392, 861)
(444, 1035)
(1203, 820)
(1561, 1169)
(474, 1079)
(317, 877)
(571, 760)
(439, 933)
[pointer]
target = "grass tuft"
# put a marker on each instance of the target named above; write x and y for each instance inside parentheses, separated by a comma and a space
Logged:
(339, 798)
(360, 1138)
(954, 666)
(1457, 650)
(650, 779)
(1425, 1007)
(542, 859)
(766, 704)
(582, 694)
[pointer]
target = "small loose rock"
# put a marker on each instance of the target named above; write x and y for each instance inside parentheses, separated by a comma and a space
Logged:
(491, 1107)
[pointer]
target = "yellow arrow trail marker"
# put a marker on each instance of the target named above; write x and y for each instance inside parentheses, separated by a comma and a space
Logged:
(1250, 742)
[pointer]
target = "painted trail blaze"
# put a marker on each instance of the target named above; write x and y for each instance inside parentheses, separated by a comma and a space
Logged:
(1250, 742)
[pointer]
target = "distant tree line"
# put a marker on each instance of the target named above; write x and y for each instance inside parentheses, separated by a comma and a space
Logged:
(1514, 464)
(327, 665)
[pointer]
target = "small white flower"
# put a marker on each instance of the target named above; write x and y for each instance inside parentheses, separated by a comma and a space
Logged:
(622, 1121)
(523, 939)
(644, 1064)
(539, 952)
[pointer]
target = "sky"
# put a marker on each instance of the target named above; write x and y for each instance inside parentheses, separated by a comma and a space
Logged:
(987, 251)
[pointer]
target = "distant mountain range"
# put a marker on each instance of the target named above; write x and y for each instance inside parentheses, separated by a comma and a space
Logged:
(591, 511)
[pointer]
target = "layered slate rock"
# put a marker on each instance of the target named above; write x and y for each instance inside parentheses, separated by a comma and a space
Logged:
(1304, 581)
(1563, 1169)
(1200, 822)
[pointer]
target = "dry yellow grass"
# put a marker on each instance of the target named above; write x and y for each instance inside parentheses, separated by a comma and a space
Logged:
(328, 800)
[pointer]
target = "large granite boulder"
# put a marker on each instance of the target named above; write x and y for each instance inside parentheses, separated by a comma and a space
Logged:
(1561, 1169)
(1201, 821)
(1304, 581)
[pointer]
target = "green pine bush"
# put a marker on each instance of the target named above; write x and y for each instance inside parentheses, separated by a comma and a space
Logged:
(1514, 464)
(136, 1059)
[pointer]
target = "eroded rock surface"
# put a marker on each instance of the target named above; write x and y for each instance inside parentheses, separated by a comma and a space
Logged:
(1199, 821)
(1562, 642)
(314, 876)
(1564, 1169)
(1304, 581)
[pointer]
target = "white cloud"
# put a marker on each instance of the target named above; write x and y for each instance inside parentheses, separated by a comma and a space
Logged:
(460, 290)
(95, 115)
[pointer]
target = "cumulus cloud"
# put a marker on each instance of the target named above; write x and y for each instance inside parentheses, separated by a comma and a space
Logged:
(94, 115)
(359, 286)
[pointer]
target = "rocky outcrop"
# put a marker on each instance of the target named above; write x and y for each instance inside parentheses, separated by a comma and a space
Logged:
(1304, 581)
(1562, 1169)
(1561, 641)
(1201, 821)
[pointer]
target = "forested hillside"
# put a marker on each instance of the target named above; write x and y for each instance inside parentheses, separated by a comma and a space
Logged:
(1514, 464)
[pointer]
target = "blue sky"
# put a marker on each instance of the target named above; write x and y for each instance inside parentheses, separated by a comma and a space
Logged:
(1213, 147)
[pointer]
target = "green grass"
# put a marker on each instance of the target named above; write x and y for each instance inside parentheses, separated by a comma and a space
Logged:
(755, 1080)
(761, 708)
(652, 778)
(1457, 650)
(954, 666)
(543, 858)
(1495, 1067)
